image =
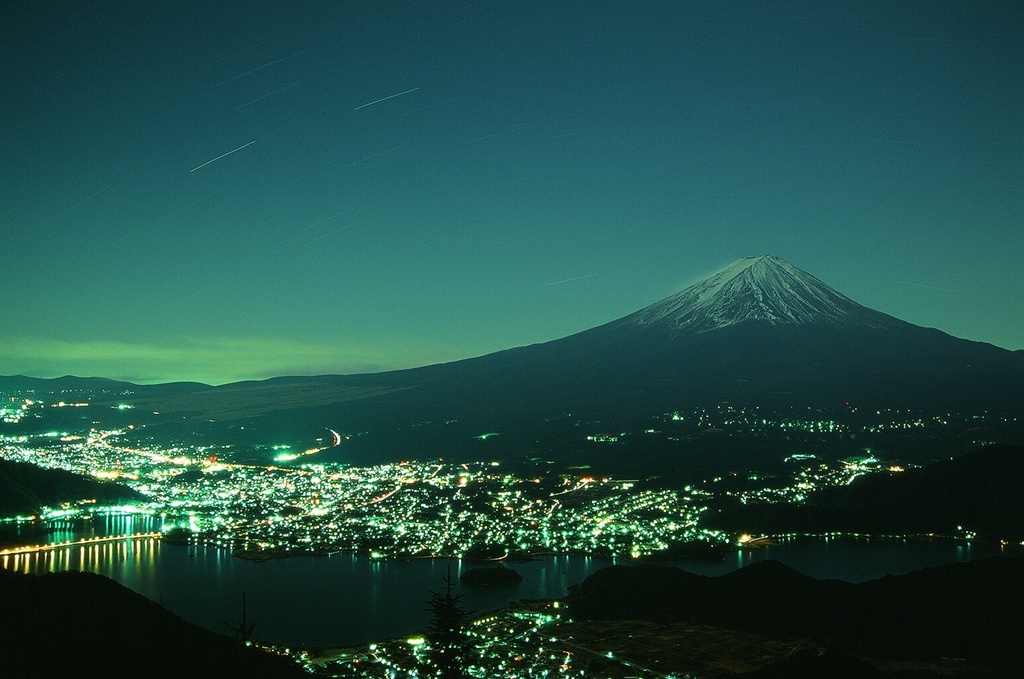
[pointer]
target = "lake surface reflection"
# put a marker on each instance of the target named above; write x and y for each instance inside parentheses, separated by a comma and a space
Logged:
(348, 599)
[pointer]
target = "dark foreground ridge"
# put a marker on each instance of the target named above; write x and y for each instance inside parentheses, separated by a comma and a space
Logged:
(82, 624)
(968, 611)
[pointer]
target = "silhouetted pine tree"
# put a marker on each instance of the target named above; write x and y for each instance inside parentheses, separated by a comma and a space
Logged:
(242, 632)
(449, 650)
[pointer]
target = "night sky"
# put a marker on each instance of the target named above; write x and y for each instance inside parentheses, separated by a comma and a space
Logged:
(217, 191)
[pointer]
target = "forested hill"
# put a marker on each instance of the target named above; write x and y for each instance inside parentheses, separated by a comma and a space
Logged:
(24, 488)
(977, 493)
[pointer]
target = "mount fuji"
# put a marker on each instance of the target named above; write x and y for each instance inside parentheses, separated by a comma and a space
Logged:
(765, 289)
(759, 332)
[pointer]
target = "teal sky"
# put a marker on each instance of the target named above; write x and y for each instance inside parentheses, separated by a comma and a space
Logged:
(232, 190)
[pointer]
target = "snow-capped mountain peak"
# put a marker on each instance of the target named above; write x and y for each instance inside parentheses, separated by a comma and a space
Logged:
(764, 288)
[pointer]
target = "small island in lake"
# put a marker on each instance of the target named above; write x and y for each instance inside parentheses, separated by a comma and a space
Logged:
(491, 577)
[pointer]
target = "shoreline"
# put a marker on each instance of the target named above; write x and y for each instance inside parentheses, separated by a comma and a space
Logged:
(759, 542)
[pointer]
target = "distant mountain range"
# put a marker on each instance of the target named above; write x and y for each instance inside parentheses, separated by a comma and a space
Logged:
(758, 332)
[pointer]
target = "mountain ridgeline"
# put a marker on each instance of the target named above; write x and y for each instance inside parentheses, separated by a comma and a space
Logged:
(758, 332)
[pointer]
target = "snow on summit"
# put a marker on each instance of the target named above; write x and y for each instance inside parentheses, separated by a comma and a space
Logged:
(763, 288)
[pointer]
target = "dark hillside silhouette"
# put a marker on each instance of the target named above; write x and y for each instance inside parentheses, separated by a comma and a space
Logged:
(965, 610)
(82, 624)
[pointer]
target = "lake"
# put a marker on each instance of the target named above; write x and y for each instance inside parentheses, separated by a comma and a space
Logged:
(346, 599)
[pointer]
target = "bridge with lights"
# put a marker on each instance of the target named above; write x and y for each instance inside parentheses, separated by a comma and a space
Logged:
(85, 542)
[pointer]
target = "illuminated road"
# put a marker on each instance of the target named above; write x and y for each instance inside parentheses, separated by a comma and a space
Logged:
(29, 549)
